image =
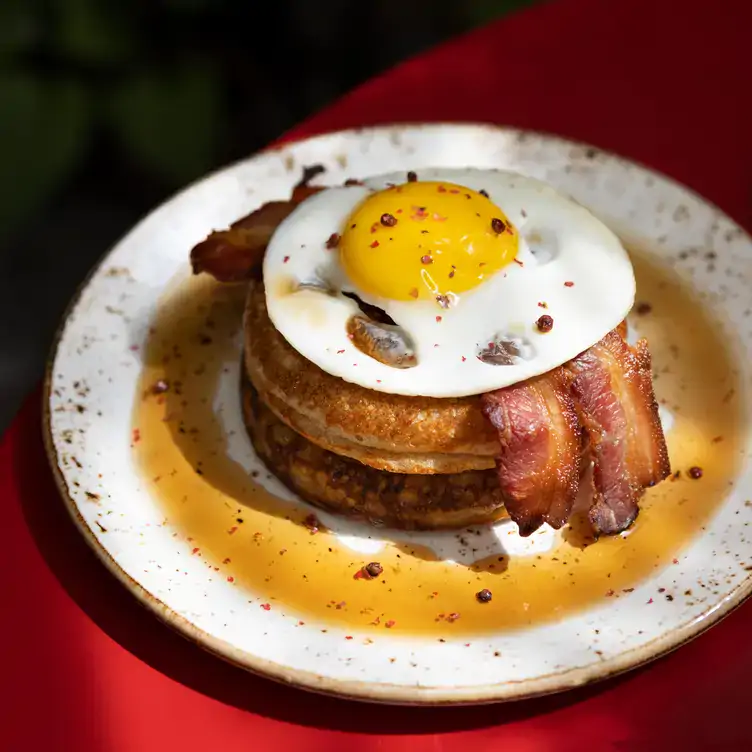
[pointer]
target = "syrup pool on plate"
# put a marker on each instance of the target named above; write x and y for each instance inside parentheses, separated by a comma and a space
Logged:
(193, 452)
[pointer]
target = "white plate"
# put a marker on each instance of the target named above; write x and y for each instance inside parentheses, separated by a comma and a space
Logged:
(93, 389)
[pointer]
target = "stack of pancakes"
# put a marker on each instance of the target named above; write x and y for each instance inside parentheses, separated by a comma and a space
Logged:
(407, 462)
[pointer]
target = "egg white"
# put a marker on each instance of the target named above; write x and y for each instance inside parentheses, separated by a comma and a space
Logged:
(560, 241)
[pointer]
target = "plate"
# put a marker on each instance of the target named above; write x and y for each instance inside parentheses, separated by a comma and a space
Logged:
(144, 432)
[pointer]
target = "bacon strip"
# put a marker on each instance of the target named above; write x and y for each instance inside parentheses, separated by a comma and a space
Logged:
(236, 254)
(539, 465)
(614, 396)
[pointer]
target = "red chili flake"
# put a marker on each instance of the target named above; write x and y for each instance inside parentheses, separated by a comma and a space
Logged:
(388, 220)
(412, 177)
(399, 211)
(453, 617)
(348, 637)
(716, 440)
(498, 226)
(467, 644)
(378, 381)
(454, 190)
(438, 319)
(133, 348)
(413, 292)
(649, 602)
(361, 574)
(195, 551)
(542, 305)
(232, 530)
(441, 189)
(451, 274)
(675, 561)
(226, 561)
(609, 593)
(375, 244)
(518, 262)
(435, 345)
(231, 579)
(464, 358)
(545, 323)
(266, 607)
(301, 623)
(160, 387)
(695, 472)
(643, 308)
(427, 259)
(389, 624)
(376, 621)
(339, 352)
(661, 589)
(374, 227)
(136, 435)
(332, 241)
(285, 259)
(569, 284)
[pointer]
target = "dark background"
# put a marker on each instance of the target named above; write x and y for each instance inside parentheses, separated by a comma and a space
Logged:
(109, 106)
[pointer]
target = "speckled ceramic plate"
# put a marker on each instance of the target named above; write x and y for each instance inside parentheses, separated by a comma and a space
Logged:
(176, 510)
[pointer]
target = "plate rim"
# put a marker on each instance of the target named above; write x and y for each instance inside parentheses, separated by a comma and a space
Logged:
(385, 693)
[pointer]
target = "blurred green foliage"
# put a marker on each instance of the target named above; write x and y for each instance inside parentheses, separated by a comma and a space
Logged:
(153, 84)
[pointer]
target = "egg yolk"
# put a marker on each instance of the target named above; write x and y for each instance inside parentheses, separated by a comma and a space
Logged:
(425, 240)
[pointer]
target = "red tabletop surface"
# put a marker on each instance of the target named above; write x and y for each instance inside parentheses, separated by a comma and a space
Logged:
(83, 667)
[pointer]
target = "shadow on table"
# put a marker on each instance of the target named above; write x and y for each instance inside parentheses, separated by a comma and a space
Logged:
(119, 614)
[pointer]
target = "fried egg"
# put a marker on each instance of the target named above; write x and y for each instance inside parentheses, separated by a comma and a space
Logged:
(447, 283)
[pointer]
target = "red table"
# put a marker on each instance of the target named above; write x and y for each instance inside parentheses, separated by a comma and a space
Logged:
(83, 667)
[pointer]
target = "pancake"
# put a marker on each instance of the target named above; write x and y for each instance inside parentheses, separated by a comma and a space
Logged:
(348, 487)
(396, 433)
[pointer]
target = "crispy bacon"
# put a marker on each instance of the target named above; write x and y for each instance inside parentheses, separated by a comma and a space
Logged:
(539, 465)
(599, 406)
(616, 405)
(236, 254)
